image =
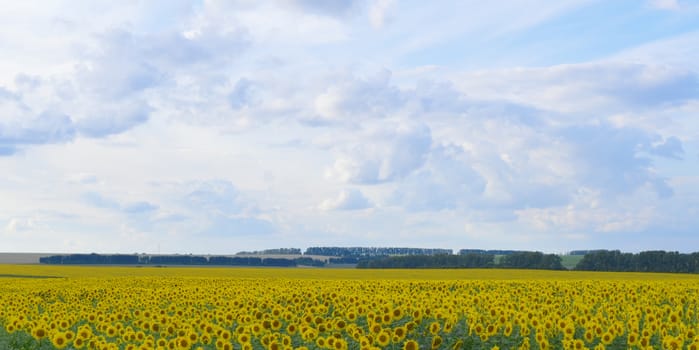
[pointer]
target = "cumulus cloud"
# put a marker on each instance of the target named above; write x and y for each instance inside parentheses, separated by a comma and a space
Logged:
(222, 209)
(119, 69)
(242, 94)
(447, 181)
(24, 129)
(389, 155)
(216, 197)
(25, 82)
(105, 202)
(669, 148)
(511, 164)
(20, 225)
(575, 219)
(111, 89)
(127, 63)
(356, 98)
(139, 208)
(610, 158)
(6, 94)
(487, 140)
(380, 11)
(349, 199)
(100, 120)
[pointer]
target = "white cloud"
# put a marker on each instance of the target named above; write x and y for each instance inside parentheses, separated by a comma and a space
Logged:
(665, 4)
(107, 119)
(47, 127)
(390, 154)
(447, 181)
(379, 12)
(606, 87)
(674, 51)
(349, 199)
(115, 118)
(354, 99)
(20, 226)
(591, 212)
(331, 7)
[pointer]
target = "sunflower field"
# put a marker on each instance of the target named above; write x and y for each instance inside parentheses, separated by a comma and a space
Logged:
(238, 308)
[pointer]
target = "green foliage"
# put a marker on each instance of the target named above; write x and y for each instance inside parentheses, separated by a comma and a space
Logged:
(570, 261)
(531, 260)
(20, 340)
(429, 261)
(647, 261)
(101, 259)
(520, 260)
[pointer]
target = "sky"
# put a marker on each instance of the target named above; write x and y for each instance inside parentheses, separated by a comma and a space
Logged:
(212, 127)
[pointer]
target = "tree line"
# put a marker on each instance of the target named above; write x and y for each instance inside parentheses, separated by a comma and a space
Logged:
(647, 261)
(593, 260)
(514, 260)
(491, 251)
(374, 251)
(275, 251)
(134, 259)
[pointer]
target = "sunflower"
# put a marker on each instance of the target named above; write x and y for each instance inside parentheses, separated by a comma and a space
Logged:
(569, 331)
(383, 338)
(340, 344)
(411, 345)
(39, 333)
(607, 338)
(183, 343)
(436, 342)
(10, 328)
(59, 340)
(111, 332)
(589, 336)
(508, 330)
(632, 339)
(79, 343)
(243, 338)
(400, 332)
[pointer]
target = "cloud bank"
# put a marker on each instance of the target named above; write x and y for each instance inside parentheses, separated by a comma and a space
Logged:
(216, 127)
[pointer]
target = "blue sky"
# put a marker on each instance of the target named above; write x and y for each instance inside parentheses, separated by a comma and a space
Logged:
(221, 126)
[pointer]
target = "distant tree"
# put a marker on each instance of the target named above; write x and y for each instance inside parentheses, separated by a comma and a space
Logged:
(531, 260)
(428, 261)
(646, 261)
